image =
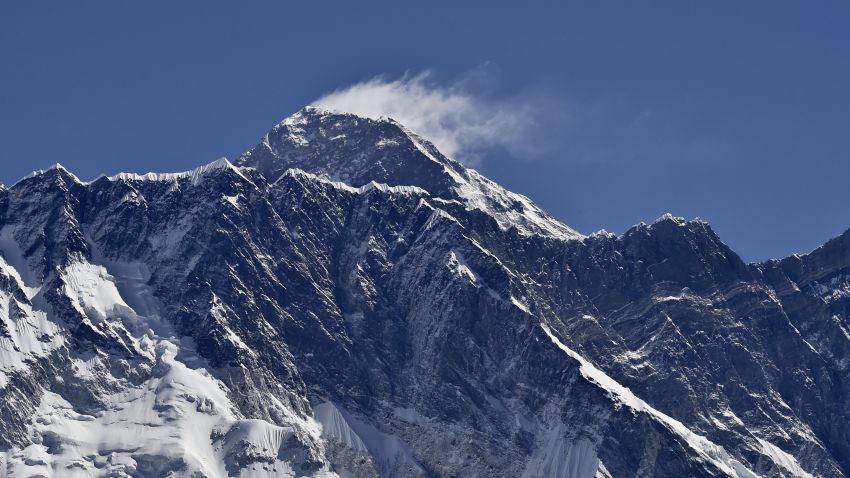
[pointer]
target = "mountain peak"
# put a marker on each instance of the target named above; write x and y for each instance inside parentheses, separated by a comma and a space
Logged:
(356, 151)
(56, 169)
(351, 149)
(398, 321)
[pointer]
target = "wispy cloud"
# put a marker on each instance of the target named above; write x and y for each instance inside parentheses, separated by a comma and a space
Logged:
(461, 123)
(538, 122)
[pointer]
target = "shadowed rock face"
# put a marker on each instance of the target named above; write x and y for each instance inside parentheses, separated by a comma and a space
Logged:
(347, 301)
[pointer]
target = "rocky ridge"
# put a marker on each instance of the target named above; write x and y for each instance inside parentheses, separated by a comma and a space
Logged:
(344, 300)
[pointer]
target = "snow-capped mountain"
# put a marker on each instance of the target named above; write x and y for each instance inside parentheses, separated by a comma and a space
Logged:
(345, 301)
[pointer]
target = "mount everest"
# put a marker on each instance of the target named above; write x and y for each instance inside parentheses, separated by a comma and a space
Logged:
(343, 300)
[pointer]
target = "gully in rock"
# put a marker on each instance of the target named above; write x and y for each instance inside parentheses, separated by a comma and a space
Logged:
(345, 300)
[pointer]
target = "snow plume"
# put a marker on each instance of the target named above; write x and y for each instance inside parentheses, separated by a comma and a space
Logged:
(460, 123)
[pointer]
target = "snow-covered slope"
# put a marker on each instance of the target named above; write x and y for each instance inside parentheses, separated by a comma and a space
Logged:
(344, 300)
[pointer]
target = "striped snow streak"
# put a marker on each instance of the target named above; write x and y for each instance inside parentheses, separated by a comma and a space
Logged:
(704, 447)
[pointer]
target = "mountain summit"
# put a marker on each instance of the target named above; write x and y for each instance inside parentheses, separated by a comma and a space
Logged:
(356, 151)
(345, 301)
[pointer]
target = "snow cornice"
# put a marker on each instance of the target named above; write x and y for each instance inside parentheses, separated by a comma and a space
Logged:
(194, 175)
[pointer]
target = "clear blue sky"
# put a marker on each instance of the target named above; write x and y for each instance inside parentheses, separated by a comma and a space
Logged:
(737, 112)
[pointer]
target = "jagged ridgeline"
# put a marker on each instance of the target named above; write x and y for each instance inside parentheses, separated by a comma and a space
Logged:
(345, 301)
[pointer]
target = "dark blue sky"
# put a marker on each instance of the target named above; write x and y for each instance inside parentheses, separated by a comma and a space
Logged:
(737, 112)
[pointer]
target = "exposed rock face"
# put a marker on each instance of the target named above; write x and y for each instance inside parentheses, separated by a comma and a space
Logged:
(346, 301)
